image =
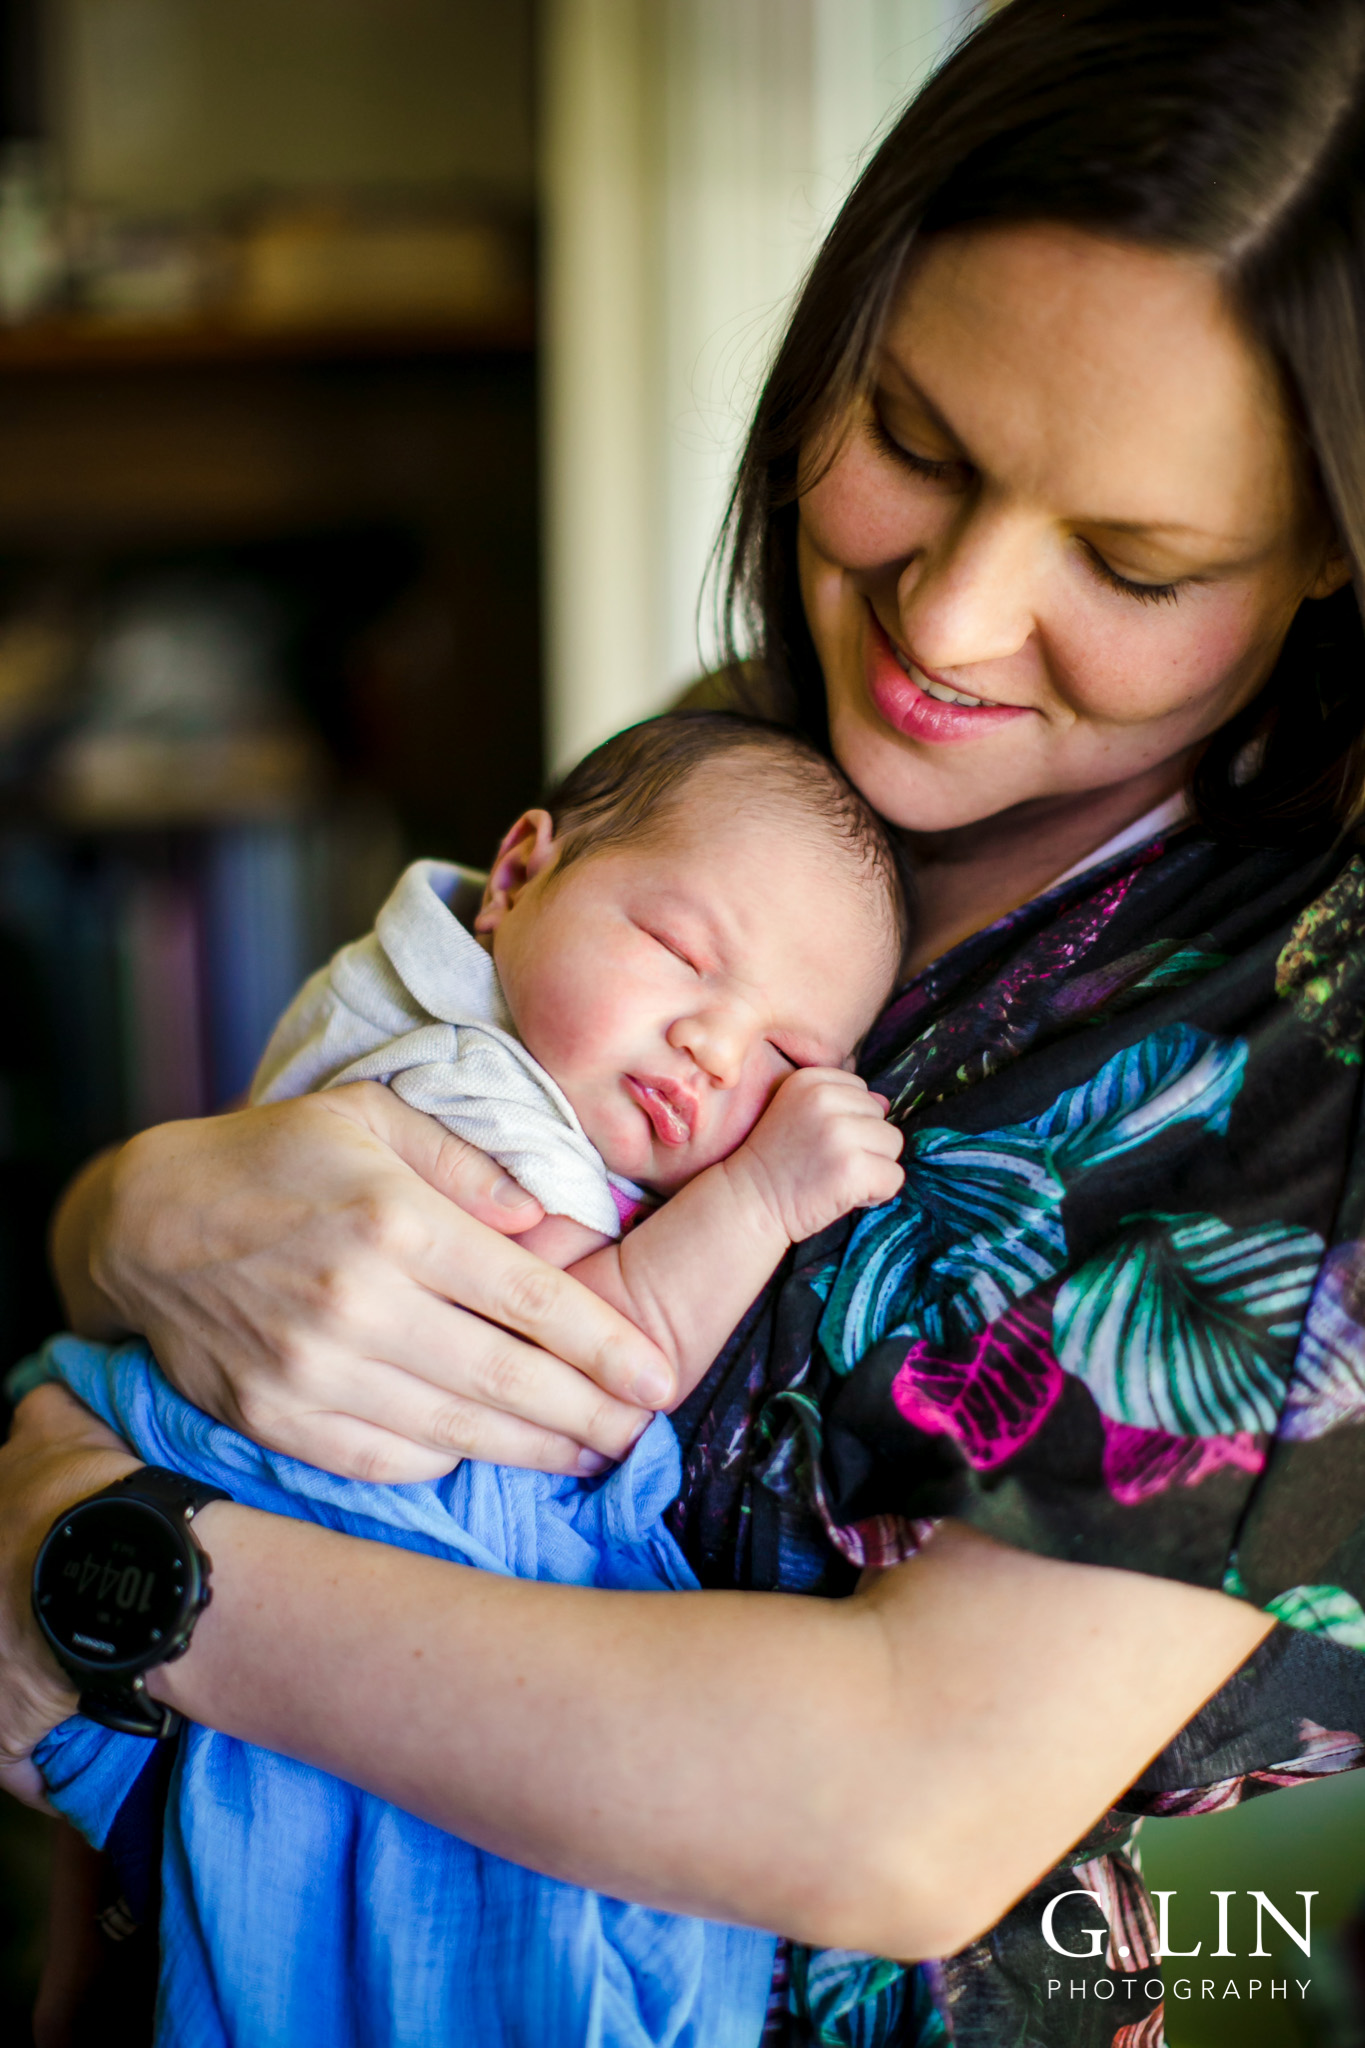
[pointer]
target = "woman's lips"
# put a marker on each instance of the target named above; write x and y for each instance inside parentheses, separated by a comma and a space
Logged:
(906, 705)
(669, 1108)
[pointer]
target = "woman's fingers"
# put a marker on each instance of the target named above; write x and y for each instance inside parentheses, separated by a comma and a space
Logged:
(522, 1293)
(464, 1175)
(445, 1248)
(339, 1441)
(447, 1382)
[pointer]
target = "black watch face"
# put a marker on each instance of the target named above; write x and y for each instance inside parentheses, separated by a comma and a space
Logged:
(115, 1583)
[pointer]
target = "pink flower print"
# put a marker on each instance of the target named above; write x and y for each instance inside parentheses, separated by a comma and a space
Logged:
(1141, 1463)
(994, 1400)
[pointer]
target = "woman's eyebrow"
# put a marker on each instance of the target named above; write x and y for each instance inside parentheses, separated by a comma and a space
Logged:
(1146, 529)
(914, 394)
(896, 381)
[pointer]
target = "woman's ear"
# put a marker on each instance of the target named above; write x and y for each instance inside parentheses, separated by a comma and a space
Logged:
(1335, 570)
(526, 851)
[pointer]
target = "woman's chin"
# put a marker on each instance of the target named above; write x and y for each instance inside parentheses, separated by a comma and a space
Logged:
(923, 790)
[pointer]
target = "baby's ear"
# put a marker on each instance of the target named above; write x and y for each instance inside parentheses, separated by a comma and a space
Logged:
(526, 851)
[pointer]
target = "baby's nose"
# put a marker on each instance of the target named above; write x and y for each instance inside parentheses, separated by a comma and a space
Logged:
(717, 1041)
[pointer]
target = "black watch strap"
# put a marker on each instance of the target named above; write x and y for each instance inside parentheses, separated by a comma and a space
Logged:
(126, 1705)
(161, 1488)
(129, 1709)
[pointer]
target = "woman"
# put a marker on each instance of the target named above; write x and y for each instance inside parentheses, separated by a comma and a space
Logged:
(1053, 500)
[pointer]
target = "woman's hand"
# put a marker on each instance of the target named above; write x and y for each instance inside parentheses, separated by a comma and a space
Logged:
(336, 1277)
(57, 1454)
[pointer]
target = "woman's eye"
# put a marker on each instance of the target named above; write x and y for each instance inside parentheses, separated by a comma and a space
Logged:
(1145, 593)
(933, 470)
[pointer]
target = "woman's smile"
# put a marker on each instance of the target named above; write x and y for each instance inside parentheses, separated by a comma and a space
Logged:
(925, 706)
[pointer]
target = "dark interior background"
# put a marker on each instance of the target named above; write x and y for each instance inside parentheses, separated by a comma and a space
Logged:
(269, 558)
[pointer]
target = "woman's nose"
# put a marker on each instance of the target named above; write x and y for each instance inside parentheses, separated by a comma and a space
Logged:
(716, 1040)
(971, 595)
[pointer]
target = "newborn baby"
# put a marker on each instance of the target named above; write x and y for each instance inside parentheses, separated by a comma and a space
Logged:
(648, 1019)
(700, 933)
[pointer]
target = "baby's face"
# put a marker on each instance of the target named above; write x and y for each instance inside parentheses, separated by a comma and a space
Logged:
(670, 986)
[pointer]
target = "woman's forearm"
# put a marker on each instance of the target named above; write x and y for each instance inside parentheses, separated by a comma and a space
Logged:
(884, 1773)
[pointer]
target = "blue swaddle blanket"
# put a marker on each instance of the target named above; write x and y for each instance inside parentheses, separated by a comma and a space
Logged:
(297, 1910)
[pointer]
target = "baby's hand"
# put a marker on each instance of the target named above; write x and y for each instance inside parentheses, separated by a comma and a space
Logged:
(822, 1147)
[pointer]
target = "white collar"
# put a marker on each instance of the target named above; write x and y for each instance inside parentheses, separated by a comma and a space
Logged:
(1174, 811)
(425, 927)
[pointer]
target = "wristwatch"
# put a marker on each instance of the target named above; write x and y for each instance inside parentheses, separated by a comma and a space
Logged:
(118, 1586)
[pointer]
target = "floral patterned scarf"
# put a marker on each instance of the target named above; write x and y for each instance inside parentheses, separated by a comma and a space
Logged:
(1117, 1315)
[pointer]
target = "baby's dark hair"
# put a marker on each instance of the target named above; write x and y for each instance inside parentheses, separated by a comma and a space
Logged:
(628, 788)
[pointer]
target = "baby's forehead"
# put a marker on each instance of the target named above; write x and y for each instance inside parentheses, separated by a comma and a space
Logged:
(781, 836)
(789, 905)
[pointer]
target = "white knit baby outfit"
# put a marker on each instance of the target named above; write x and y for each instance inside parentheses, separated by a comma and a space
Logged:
(418, 1006)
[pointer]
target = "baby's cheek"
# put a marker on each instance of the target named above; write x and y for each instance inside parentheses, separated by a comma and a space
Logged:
(568, 1026)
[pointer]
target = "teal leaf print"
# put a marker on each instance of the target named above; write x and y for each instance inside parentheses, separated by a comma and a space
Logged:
(820, 1282)
(1234, 1585)
(850, 2000)
(1178, 1075)
(1322, 1611)
(977, 1225)
(1329, 1372)
(1180, 967)
(1188, 1325)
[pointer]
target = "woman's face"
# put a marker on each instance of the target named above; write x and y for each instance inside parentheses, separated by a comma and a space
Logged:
(1071, 499)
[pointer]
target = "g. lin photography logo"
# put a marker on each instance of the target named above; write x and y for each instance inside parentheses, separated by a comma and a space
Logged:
(1137, 1964)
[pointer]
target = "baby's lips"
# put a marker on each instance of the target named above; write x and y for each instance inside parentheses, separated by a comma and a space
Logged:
(671, 1111)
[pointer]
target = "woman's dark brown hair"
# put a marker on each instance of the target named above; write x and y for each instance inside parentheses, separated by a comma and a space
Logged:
(1234, 129)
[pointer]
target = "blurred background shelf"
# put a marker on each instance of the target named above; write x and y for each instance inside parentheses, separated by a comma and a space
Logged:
(139, 449)
(270, 548)
(270, 552)
(91, 343)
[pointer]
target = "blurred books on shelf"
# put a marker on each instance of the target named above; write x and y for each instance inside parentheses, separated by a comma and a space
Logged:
(327, 264)
(161, 960)
(34, 262)
(145, 779)
(302, 263)
(162, 1008)
(39, 651)
(180, 852)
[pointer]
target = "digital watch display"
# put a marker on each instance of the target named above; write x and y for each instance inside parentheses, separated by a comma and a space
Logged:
(117, 1588)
